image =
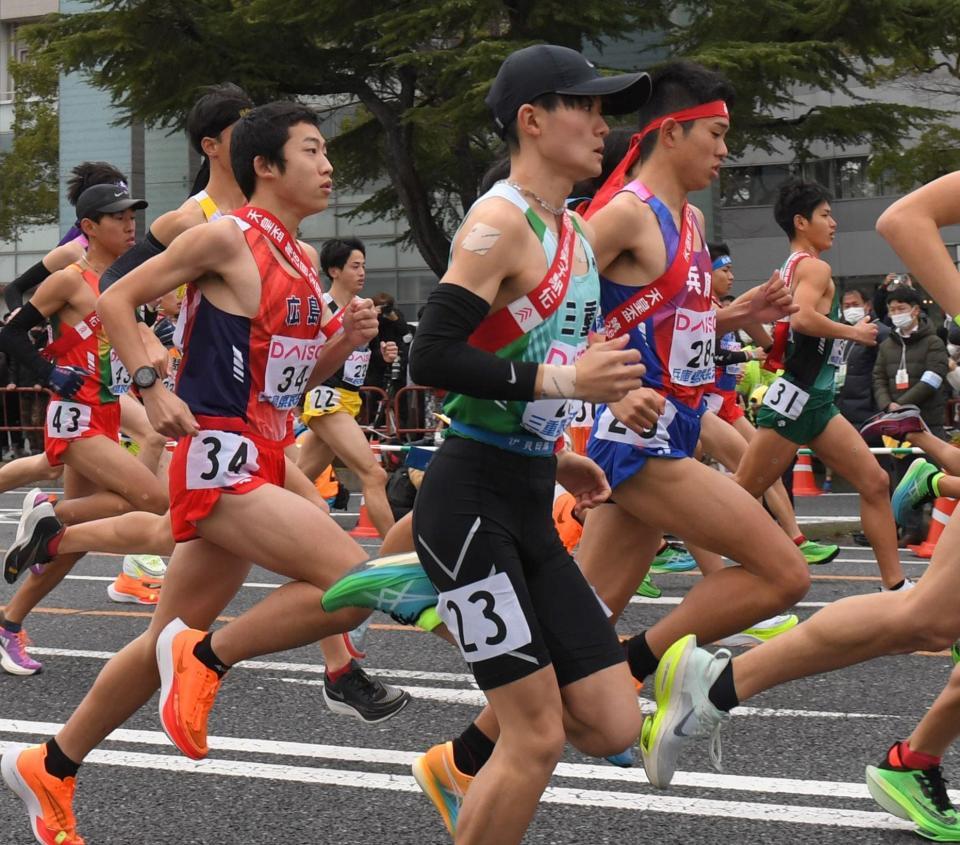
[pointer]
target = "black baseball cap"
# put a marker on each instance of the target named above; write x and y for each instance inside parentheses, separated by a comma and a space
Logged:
(106, 199)
(550, 69)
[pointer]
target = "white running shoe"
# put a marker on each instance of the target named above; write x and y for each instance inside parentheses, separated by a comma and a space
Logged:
(764, 630)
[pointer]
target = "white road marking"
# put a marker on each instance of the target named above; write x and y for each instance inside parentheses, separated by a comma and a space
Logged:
(643, 802)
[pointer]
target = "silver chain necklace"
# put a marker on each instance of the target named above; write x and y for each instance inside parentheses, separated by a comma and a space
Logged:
(554, 210)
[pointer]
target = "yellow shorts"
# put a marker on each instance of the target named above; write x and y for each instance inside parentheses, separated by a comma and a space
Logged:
(325, 400)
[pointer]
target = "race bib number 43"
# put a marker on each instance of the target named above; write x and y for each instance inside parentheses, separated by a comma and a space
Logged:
(485, 618)
(67, 419)
(785, 398)
(220, 459)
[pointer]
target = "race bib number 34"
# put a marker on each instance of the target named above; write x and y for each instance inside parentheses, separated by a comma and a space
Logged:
(290, 362)
(220, 459)
(785, 398)
(485, 617)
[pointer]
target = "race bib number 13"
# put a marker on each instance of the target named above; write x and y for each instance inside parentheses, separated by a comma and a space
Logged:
(785, 398)
(485, 618)
(220, 459)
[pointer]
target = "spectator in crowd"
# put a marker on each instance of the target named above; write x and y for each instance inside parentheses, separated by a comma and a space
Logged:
(854, 380)
(953, 363)
(910, 369)
(390, 349)
(880, 294)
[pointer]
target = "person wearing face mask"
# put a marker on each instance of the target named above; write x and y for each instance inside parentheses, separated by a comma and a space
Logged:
(912, 362)
(855, 397)
(953, 351)
(910, 369)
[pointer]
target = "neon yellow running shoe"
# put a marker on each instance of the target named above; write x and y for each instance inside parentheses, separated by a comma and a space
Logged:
(762, 631)
(684, 710)
(442, 782)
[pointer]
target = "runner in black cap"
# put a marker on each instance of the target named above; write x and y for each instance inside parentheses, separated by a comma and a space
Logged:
(506, 333)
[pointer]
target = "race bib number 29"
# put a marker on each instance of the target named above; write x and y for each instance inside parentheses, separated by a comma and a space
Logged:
(485, 618)
(220, 459)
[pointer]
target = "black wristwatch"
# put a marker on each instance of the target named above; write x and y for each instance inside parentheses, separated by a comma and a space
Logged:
(145, 377)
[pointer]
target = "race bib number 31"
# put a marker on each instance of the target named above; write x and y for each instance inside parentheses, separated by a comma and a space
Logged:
(485, 617)
(67, 419)
(785, 398)
(220, 459)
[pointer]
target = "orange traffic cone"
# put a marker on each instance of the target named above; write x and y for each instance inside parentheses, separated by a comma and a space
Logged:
(943, 507)
(364, 528)
(804, 484)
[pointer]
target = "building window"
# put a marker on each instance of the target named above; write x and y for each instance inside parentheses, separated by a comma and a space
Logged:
(758, 184)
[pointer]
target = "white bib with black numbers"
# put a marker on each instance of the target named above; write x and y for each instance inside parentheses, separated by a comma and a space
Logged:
(785, 398)
(485, 618)
(220, 459)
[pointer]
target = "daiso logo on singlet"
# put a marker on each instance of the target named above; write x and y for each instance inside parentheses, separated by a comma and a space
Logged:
(290, 361)
(563, 353)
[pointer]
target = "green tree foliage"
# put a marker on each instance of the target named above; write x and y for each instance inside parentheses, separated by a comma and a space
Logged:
(413, 73)
(28, 172)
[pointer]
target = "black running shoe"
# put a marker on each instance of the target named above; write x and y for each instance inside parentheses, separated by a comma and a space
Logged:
(357, 694)
(38, 526)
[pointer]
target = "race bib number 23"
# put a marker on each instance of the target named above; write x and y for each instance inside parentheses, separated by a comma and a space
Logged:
(485, 618)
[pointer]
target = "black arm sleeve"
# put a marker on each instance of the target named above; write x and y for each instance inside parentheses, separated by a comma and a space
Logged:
(15, 341)
(13, 293)
(441, 357)
(130, 260)
(728, 357)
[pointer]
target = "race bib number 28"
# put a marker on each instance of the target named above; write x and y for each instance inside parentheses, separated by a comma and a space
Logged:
(485, 618)
(220, 459)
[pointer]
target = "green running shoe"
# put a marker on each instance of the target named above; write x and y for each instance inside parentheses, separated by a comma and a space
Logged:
(917, 795)
(648, 589)
(818, 553)
(396, 585)
(914, 489)
(673, 557)
(955, 652)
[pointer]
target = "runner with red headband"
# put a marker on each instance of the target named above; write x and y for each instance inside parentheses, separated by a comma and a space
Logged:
(656, 288)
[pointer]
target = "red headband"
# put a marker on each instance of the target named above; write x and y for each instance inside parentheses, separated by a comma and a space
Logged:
(616, 180)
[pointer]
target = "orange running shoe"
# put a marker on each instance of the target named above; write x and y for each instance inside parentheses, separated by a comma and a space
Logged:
(187, 689)
(442, 782)
(134, 590)
(48, 799)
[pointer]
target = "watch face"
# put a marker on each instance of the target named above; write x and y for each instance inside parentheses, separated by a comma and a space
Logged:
(145, 377)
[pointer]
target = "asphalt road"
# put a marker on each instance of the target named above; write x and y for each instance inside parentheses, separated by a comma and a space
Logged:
(283, 769)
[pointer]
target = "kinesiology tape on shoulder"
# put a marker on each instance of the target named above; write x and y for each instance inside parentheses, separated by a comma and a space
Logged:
(13, 293)
(15, 340)
(442, 357)
(130, 260)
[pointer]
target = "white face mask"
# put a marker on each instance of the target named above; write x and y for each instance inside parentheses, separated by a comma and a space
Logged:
(854, 314)
(953, 350)
(901, 321)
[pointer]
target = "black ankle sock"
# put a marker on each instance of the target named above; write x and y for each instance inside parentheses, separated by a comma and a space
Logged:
(204, 653)
(641, 660)
(723, 694)
(472, 749)
(58, 764)
(10, 627)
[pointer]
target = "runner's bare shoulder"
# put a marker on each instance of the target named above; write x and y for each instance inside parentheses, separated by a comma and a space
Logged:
(174, 223)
